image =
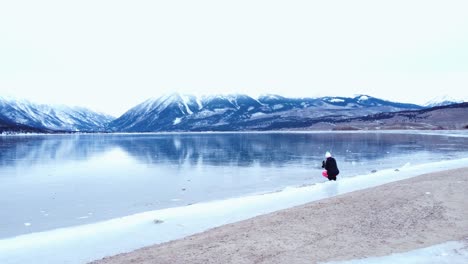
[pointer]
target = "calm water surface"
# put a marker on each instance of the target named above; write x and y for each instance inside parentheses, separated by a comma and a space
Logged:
(54, 181)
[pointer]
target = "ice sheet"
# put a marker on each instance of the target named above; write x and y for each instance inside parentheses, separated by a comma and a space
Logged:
(81, 244)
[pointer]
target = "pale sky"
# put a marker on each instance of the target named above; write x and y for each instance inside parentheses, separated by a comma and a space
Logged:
(111, 55)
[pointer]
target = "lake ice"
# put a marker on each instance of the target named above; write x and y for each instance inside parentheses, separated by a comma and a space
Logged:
(58, 190)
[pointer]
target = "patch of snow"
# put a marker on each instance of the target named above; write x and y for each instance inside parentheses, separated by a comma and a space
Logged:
(213, 97)
(220, 110)
(336, 100)
(199, 102)
(233, 100)
(177, 121)
(453, 252)
(148, 105)
(258, 114)
(185, 100)
(167, 100)
(277, 106)
(363, 98)
(270, 96)
(256, 99)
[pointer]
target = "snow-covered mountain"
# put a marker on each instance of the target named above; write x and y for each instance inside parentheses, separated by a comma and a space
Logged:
(54, 118)
(442, 100)
(235, 112)
(177, 112)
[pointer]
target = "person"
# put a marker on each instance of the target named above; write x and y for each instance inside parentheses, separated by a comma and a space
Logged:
(329, 164)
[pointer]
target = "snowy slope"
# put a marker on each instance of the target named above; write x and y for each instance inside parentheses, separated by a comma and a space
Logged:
(156, 112)
(176, 112)
(442, 100)
(57, 118)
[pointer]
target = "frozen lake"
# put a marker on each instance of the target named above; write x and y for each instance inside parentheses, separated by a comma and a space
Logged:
(76, 198)
(54, 181)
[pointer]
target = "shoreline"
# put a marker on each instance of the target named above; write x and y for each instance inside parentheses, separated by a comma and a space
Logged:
(391, 218)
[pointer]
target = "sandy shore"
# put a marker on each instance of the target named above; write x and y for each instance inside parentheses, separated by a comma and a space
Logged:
(396, 217)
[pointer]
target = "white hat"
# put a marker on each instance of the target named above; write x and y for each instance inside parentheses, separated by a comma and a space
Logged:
(327, 155)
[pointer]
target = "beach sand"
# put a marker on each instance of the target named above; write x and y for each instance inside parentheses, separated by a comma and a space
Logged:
(396, 217)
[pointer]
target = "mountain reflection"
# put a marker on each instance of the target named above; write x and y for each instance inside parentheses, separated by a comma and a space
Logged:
(30, 150)
(222, 149)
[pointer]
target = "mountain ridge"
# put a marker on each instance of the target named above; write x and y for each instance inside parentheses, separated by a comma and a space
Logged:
(232, 112)
(51, 118)
(236, 112)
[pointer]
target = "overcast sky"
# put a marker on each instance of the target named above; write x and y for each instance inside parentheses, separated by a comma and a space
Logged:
(111, 55)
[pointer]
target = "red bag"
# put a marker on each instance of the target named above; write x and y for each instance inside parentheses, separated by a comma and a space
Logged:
(324, 173)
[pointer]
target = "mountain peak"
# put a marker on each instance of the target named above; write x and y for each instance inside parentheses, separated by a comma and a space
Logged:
(270, 97)
(442, 100)
(362, 97)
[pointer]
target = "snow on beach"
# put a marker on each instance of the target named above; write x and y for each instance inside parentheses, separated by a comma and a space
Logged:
(453, 252)
(81, 244)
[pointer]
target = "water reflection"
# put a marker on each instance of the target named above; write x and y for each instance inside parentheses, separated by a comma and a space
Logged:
(242, 149)
(30, 150)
